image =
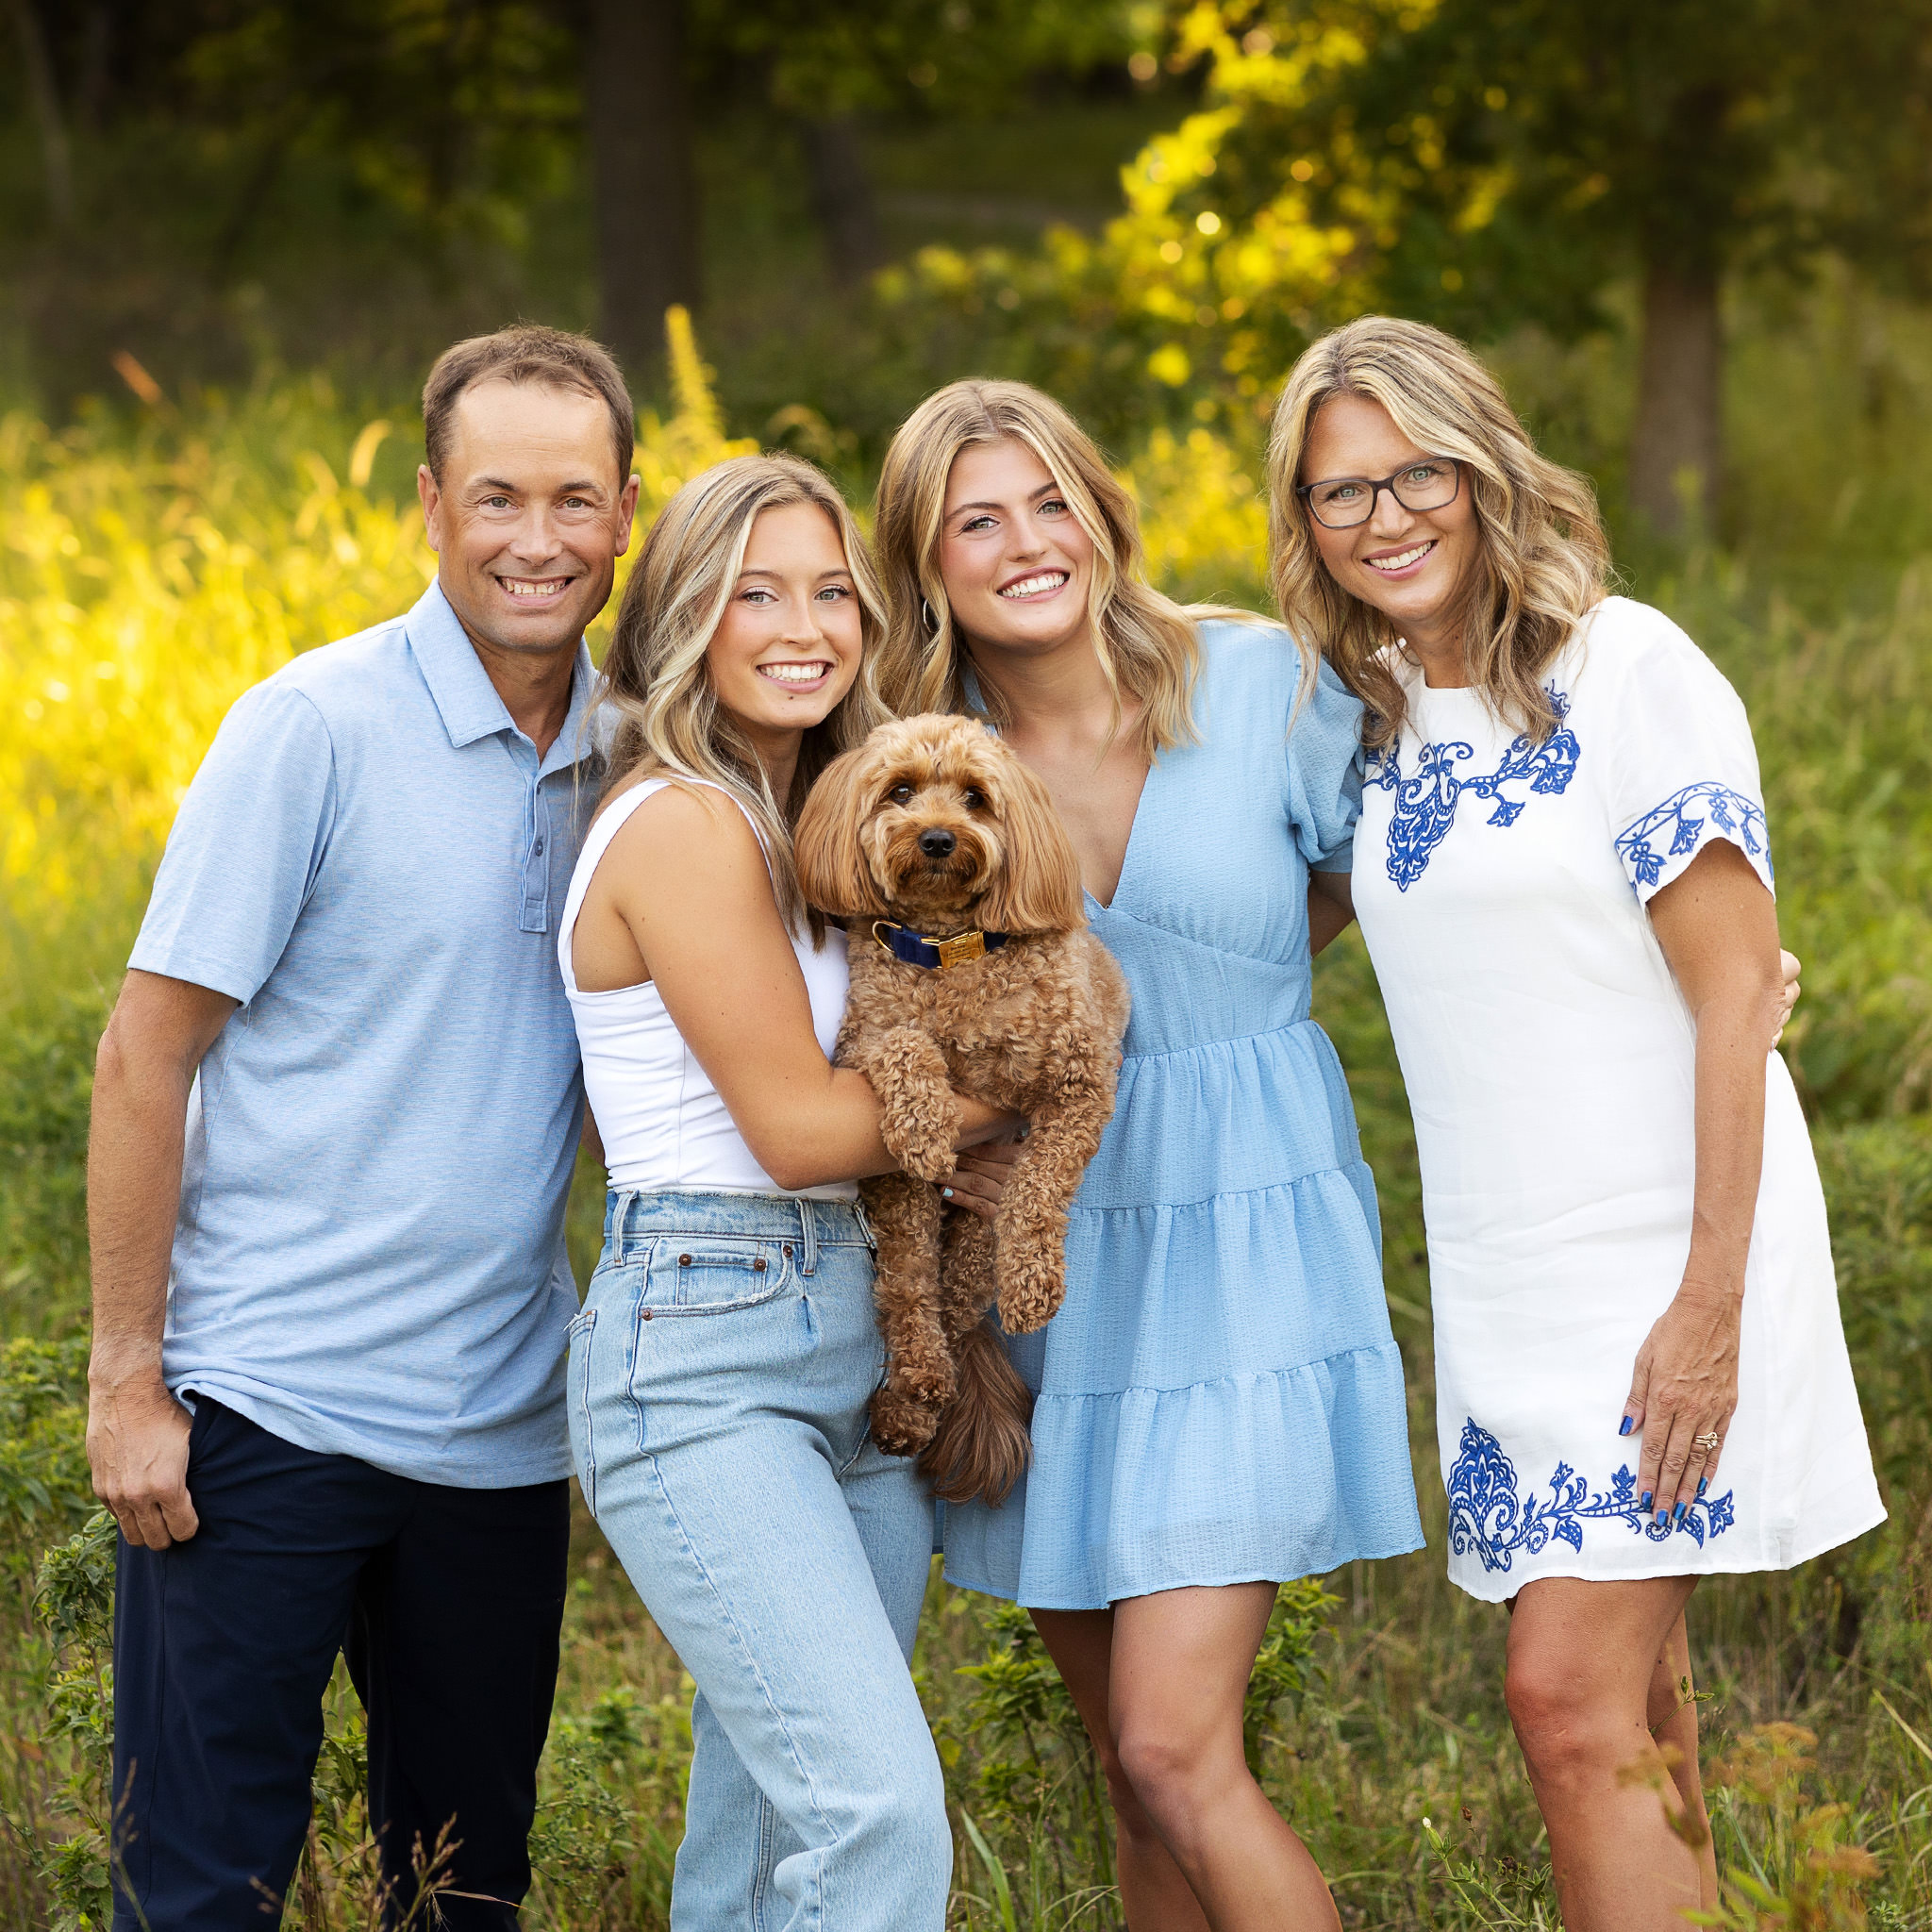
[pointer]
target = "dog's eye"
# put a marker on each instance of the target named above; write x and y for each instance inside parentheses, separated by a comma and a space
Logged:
(975, 801)
(900, 794)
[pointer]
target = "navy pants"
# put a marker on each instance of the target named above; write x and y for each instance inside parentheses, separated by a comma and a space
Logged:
(448, 1604)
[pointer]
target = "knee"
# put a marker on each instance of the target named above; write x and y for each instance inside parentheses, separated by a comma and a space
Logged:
(1557, 1718)
(1129, 1814)
(1170, 1772)
(910, 1821)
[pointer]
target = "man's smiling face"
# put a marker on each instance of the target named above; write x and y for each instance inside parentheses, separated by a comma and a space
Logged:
(529, 516)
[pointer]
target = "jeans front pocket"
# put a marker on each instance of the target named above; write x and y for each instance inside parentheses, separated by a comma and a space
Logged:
(715, 1274)
(583, 1443)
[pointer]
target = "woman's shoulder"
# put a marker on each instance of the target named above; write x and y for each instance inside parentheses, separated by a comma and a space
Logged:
(667, 809)
(1629, 660)
(1258, 655)
(1618, 636)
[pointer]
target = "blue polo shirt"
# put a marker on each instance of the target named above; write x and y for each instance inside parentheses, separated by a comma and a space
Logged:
(369, 1260)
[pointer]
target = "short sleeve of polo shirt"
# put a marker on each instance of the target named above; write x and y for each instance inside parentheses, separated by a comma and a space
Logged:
(245, 847)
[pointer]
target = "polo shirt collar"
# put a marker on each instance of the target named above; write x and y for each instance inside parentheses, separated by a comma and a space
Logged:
(465, 698)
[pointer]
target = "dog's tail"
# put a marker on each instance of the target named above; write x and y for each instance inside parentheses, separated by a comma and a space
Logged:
(983, 1443)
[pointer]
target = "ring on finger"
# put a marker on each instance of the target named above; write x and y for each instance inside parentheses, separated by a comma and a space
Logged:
(1707, 1442)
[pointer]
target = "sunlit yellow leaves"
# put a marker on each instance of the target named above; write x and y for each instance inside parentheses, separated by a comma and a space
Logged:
(143, 590)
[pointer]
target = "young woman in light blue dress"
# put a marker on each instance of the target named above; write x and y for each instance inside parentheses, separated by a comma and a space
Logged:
(1219, 1405)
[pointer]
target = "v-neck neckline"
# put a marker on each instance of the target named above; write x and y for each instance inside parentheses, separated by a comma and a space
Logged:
(977, 700)
(1126, 850)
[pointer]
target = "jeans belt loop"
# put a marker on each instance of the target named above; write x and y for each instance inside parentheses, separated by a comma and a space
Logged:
(808, 1231)
(619, 1229)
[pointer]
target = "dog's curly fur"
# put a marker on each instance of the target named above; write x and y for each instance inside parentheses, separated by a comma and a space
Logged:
(1034, 1027)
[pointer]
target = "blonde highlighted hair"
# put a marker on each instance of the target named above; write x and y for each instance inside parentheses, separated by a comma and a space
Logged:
(1145, 642)
(1541, 560)
(656, 677)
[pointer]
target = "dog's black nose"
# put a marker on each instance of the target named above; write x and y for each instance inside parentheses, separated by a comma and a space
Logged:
(936, 843)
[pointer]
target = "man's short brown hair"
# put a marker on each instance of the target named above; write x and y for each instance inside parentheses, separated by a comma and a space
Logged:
(526, 352)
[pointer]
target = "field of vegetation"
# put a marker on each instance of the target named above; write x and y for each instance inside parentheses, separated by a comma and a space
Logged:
(151, 570)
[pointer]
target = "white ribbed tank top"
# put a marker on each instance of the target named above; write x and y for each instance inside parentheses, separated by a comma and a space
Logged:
(664, 1126)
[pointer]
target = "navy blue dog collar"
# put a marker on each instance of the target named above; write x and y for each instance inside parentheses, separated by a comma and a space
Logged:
(916, 949)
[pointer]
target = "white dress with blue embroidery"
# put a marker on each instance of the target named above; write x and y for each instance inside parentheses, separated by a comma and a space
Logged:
(1500, 886)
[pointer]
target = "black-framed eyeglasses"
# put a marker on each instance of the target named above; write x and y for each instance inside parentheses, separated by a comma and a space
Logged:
(1339, 503)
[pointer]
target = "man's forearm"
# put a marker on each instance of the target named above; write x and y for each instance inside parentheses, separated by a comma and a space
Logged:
(133, 1193)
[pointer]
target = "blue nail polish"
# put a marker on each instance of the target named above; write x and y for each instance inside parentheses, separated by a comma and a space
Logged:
(1662, 1518)
(1677, 1514)
(1646, 1499)
(1624, 1427)
(1702, 1484)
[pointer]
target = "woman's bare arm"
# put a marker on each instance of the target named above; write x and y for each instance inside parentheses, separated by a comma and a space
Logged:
(1717, 927)
(689, 880)
(1331, 908)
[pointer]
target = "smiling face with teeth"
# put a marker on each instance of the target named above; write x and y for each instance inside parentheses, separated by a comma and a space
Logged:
(1409, 564)
(529, 518)
(1015, 560)
(789, 644)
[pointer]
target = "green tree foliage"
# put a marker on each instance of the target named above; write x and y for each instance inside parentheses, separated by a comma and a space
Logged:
(1480, 163)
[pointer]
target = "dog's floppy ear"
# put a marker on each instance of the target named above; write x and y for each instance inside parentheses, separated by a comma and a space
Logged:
(832, 871)
(1038, 889)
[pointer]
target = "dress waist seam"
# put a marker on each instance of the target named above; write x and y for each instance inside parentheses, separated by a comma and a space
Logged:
(1169, 1053)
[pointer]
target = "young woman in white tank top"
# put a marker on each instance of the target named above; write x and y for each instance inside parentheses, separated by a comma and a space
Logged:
(722, 1365)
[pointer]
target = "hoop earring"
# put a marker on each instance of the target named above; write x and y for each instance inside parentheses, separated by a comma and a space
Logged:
(931, 622)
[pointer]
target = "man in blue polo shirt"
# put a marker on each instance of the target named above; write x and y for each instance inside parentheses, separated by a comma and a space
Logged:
(335, 1114)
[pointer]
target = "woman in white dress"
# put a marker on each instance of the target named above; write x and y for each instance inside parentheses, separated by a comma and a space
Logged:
(1564, 876)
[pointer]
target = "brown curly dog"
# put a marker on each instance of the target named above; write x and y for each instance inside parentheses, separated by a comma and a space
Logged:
(972, 968)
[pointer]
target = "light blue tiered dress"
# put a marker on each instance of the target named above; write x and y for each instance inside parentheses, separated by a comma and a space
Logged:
(1220, 1399)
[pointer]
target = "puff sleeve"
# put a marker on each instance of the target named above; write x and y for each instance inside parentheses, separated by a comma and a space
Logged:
(1680, 768)
(1324, 775)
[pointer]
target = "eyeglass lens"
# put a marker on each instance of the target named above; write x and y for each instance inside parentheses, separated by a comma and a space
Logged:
(1342, 502)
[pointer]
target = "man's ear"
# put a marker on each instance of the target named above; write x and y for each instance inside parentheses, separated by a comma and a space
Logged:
(429, 493)
(626, 512)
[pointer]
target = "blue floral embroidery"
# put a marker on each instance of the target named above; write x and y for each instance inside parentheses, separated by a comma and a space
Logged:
(1425, 803)
(1730, 811)
(1487, 1515)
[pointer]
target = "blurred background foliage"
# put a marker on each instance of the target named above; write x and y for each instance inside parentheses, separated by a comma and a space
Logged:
(1693, 241)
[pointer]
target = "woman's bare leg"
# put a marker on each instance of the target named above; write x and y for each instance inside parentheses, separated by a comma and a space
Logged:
(1181, 1663)
(1583, 1659)
(1154, 1893)
(1672, 1715)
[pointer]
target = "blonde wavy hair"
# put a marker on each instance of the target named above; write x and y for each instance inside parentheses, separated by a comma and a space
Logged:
(656, 677)
(1146, 643)
(1541, 560)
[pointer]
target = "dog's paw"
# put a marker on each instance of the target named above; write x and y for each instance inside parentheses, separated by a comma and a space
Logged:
(901, 1424)
(931, 1161)
(1030, 1297)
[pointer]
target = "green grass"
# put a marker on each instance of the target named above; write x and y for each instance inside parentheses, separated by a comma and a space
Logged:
(1382, 1733)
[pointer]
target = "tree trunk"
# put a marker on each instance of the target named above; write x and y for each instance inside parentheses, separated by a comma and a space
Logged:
(645, 184)
(1677, 445)
(841, 197)
(45, 95)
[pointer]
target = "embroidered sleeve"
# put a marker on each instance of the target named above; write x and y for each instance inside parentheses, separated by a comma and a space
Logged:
(1324, 775)
(1683, 768)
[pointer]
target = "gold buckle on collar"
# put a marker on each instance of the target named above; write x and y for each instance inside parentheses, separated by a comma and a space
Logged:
(956, 951)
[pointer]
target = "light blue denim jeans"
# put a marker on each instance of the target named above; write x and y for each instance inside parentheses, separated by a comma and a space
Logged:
(719, 1377)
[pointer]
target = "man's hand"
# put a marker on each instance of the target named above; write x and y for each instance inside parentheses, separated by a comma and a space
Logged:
(136, 1447)
(137, 1433)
